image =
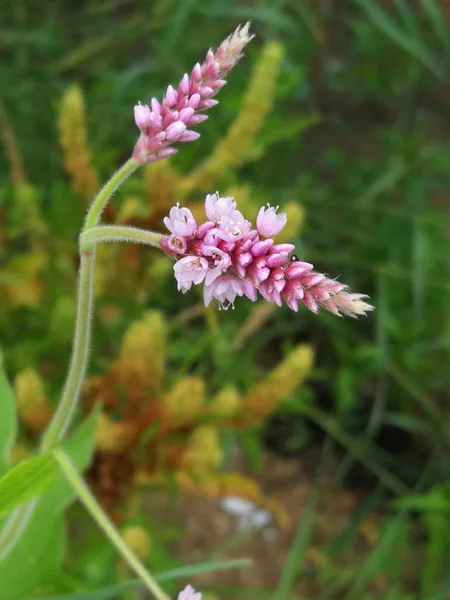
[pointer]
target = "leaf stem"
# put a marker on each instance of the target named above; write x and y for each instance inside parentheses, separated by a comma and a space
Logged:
(106, 525)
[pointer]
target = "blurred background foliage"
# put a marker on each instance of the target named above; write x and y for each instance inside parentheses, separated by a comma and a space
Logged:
(339, 114)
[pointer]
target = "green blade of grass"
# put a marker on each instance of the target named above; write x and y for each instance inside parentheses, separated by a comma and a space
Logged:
(438, 22)
(305, 529)
(358, 448)
(413, 47)
(179, 573)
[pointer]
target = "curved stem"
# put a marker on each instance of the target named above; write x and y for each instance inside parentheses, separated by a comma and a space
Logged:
(106, 524)
(104, 195)
(12, 530)
(78, 363)
(118, 233)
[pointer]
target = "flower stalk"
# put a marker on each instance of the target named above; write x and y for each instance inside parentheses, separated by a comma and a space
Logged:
(118, 233)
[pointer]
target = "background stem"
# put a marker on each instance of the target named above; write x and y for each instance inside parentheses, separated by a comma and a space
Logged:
(106, 524)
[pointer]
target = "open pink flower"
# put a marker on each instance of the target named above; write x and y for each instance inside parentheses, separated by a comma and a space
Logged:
(268, 223)
(180, 222)
(189, 594)
(231, 259)
(190, 270)
(216, 207)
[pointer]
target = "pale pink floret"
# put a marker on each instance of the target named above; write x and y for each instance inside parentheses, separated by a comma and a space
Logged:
(142, 116)
(165, 123)
(231, 259)
(219, 263)
(224, 289)
(216, 207)
(190, 270)
(180, 222)
(268, 223)
(189, 594)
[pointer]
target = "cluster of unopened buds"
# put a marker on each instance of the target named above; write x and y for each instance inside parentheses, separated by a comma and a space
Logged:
(165, 123)
(232, 259)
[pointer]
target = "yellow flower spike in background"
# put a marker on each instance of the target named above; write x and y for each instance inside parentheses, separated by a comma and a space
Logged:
(163, 189)
(138, 540)
(227, 403)
(21, 282)
(184, 403)
(33, 406)
(132, 207)
(295, 219)
(203, 453)
(264, 397)
(233, 149)
(144, 348)
(110, 436)
(74, 142)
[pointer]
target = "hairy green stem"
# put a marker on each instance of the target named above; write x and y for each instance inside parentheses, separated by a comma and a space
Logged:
(80, 352)
(118, 233)
(106, 525)
(16, 524)
(104, 195)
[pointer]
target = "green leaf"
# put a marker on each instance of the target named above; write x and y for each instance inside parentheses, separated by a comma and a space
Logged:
(112, 591)
(8, 419)
(25, 481)
(39, 551)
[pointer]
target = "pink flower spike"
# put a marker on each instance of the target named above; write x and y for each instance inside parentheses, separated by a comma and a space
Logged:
(230, 259)
(189, 594)
(268, 223)
(142, 116)
(181, 105)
